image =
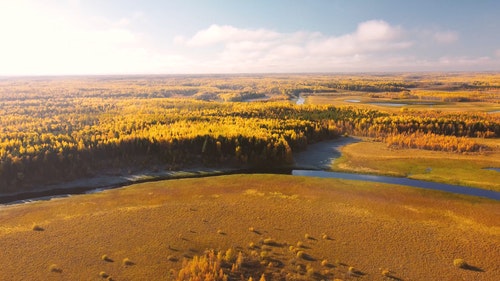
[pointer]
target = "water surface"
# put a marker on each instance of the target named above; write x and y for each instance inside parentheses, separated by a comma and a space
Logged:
(402, 181)
(389, 104)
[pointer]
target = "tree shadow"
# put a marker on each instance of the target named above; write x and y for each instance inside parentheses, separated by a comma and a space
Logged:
(173, 249)
(357, 273)
(472, 268)
(38, 228)
(273, 244)
(307, 257)
(392, 277)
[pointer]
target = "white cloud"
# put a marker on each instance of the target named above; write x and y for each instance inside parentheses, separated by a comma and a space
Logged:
(445, 37)
(222, 34)
(376, 30)
(370, 36)
(373, 46)
(40, 39)
(246, 49)
(464, 61)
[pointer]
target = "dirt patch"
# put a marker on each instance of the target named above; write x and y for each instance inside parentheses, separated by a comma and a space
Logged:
(343, 229)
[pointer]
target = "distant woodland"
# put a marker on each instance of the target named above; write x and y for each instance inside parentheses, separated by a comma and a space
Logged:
(55, 129)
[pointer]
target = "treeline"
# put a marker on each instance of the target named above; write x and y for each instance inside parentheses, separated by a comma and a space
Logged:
(67, 138)
(430, 141)
(42, 146)
(463, 87)
(59, 129)
(480, 125)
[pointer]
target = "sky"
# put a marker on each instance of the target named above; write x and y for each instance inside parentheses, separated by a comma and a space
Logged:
(80, 37)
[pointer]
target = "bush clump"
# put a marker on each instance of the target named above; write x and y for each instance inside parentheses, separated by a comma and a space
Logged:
(460, 263)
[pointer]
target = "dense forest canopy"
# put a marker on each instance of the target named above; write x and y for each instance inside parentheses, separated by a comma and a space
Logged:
(55, 129)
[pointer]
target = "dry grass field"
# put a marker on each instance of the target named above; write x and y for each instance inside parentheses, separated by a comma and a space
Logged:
(289, 228)
(397, 105)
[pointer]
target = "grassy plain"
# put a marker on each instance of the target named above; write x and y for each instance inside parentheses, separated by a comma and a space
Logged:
(407, 234)
(453, 168)
(397, 104)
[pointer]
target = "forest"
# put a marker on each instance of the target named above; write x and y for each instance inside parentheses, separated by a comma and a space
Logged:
(56, 129)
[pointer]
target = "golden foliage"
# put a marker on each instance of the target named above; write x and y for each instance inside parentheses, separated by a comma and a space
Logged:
(60, 129)
(432, 141)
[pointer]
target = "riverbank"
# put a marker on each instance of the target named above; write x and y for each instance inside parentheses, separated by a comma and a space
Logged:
(376, 158)
(106, 181)
(456, 189)
(317, 157)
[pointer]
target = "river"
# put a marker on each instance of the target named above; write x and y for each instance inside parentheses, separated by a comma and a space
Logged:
(313, 162)
(457, 189)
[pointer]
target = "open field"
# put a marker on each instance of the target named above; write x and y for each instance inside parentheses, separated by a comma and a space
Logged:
(401, 104)
(453, 168)
(409, 234)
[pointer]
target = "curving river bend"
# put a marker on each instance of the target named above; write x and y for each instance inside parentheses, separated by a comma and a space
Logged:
(314, 162)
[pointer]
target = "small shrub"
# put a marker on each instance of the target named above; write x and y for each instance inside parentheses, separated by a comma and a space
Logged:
(386, 272)
(36, 227)
(55, 268)
(239, 259)
(300, 254)
(106, 258)
(264, 255)
(269, 241)
(103, 274)
(127, 261)
(206, 267)
(324, 262)
(310, 272)
(460, 263)
(266, 248)
(229, 257)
